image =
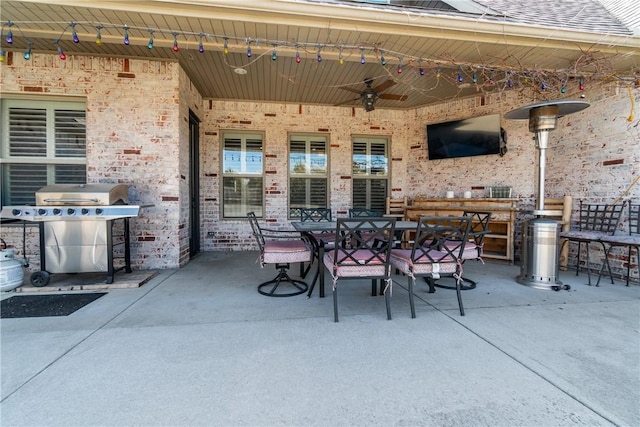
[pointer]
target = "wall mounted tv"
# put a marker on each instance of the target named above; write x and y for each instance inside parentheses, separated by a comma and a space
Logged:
(476, 136)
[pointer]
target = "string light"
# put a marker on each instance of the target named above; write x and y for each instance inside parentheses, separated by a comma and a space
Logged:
(150, 42)
(61, 52)
(99, 35)
(9, 38)
(27, 53)
(74, 34)
(175, 42)
(557, 79)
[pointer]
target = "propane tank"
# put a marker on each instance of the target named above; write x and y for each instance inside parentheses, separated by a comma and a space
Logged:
(11, 273)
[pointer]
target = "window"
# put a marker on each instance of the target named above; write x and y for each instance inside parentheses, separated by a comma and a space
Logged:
(42, 143)
(242, 175)
(308, 179)
(370, 173)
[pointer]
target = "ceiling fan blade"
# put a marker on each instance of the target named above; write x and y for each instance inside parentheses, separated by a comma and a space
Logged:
(393, 96)
(350, 89)
(348, 101)
(384, 86)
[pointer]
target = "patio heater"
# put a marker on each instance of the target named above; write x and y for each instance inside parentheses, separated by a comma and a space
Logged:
(541, 236)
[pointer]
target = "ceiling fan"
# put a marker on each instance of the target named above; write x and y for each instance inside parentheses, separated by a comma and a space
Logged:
(370, 94)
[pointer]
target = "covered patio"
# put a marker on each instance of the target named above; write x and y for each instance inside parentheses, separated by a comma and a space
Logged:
(194, 348)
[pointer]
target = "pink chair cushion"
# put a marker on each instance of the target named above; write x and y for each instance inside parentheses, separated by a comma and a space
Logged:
(401, 259)
(286, 251)
(351, 268)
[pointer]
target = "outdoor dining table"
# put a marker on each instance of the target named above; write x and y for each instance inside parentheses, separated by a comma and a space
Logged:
(311, 230)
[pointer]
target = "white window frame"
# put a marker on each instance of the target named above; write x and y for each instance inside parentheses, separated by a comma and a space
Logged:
(244, 174)
(369, 174)
(308, 174)
(49, 157)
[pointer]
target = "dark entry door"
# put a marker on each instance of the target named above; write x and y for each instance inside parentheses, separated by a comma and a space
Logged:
(194, 184)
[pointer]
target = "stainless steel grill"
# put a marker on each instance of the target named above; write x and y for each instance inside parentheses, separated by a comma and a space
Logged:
(77, 232)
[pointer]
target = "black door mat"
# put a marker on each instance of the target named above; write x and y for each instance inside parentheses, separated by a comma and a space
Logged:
(45, 305)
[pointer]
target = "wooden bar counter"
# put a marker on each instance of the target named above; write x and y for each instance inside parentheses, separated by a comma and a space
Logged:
(498, 244)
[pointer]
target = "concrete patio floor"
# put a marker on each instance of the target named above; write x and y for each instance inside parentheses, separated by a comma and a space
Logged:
(200, 346)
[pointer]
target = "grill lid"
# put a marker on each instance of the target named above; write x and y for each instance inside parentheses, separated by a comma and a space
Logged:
(82, 194)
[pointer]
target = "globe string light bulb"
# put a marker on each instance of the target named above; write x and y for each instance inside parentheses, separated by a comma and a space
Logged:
(27, 53)
(9, 38)
(460, 78)
(99, 35)
(175, 47)
(274, 55)
(150, 42)
(74, 34)
(298, 59)
(225, 49)
(340, 58)
(249, 53)
(362, 59)
(382, 60)
(61, 54)
(581, 83)
(200, 44)
(399, 69)
(126, 35)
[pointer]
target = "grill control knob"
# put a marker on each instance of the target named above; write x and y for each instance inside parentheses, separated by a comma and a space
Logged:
(57, 211)
(71, 211)
(84, 211)
(42, 212)
(99, 211)
(16, 212)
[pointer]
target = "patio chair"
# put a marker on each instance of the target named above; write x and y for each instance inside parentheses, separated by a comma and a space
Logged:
(360, 251)
(630, 241)
(364, 213)
(437, 251)
(315, 238)
(280, 248)
(473, 248)
(595, 222)
(396, 207)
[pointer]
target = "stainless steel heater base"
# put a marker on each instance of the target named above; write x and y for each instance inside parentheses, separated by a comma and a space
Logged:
(540, 251)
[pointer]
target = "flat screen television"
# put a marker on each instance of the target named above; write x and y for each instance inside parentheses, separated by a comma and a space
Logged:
(477, 136)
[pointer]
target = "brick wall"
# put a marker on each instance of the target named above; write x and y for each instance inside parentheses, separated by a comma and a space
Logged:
(134, 137)
(137, 124)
